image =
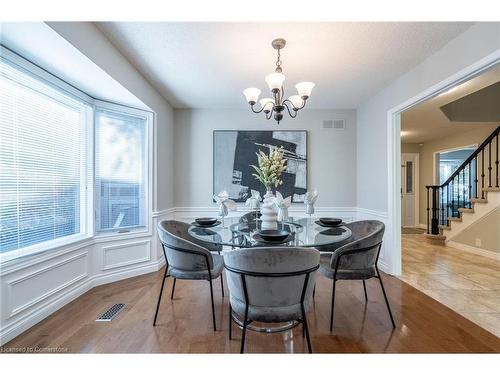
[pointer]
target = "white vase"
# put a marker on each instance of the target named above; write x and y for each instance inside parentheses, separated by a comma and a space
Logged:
(269, 212)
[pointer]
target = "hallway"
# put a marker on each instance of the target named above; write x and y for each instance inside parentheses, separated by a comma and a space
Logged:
(467, 283)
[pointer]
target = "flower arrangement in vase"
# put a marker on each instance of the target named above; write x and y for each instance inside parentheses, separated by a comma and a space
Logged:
(269, 172)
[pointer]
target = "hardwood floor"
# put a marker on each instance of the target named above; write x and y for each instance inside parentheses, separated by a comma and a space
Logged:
(467, 283)
(184, 324)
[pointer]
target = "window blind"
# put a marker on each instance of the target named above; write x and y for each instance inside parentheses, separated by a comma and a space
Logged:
(120, 170)
(42, 160)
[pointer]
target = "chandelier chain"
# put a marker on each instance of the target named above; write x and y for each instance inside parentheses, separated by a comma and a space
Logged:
(278, 61)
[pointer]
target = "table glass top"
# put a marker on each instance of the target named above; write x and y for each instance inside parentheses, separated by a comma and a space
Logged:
(303, 232)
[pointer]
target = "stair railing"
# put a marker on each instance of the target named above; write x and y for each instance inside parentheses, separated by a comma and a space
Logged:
(445, 201)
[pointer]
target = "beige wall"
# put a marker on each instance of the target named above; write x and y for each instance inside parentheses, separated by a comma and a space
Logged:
(410, 148)
(486, 229)
(427, 157)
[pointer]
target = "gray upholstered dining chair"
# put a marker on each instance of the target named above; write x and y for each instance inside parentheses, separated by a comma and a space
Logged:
(356, 259)
(270, 285)
(187, 258)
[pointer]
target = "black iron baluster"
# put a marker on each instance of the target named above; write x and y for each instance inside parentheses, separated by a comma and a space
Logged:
(453, 198)
(496, 162)
(428, 208)
(435, 204)
(489, 165)
(470, 185)
(442, 205)
(464, 187)
(475, 177)
(482, 174)
(448, 204)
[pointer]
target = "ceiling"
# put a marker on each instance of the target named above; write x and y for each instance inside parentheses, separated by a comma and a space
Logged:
(426, 121)
(38, 43)
(208, 65)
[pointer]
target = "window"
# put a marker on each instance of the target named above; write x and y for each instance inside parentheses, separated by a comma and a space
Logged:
(120, 170)
(70, 166)
(42, 161)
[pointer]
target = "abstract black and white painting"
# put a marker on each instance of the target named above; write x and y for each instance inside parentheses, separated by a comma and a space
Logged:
(235, 150)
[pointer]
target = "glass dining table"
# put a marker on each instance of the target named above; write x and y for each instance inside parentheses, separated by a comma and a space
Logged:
(304, 232)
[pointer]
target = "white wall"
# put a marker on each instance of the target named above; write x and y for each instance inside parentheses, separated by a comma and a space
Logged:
(332, 153)
(469, 47)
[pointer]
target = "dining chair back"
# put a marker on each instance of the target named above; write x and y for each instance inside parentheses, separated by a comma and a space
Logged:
(271, 285)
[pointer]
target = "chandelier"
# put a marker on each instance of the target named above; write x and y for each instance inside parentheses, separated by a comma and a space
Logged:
(277, 104)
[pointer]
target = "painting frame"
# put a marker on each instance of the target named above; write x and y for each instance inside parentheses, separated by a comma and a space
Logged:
(296, 198)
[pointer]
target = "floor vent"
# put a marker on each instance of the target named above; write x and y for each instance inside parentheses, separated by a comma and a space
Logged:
(111, 313)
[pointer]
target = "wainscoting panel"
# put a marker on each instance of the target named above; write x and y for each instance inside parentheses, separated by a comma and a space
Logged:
(125, 254)
(39, 283)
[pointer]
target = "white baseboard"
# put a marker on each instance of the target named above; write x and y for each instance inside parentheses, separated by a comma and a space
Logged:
(10, 331)
(473, 250)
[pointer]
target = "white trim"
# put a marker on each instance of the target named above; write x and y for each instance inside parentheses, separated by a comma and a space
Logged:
(51, 292)
(394, 154)
(473, 250)
(9, 331)
(106, 267)
(161, 213)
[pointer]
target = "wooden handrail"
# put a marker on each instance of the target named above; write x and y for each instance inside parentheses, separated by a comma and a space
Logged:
(470, 158)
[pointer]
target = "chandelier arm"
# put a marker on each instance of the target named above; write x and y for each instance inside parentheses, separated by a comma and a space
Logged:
(288, 109)
(270, 114)
(254, 111)
(296, 109)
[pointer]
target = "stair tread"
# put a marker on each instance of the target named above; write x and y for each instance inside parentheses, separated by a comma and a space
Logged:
(463, 209)
(454, 218)
(435, 236)
(479, 200)
(491, 189)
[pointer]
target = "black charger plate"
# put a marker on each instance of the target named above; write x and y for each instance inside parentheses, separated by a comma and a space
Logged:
(328, 226)
(257, 237)
(206, 226)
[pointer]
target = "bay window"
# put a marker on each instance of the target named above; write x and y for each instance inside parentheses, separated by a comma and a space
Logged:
(71, 167)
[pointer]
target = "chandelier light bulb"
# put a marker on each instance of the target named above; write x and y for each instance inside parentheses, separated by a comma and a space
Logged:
(297, 101)
(275, 81)
(267, 104)
(252, 95)
(304, 89)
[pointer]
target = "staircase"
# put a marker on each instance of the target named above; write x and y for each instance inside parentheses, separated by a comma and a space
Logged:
(471, 192)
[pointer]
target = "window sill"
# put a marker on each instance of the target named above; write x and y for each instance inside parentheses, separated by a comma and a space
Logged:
(116, 236)
(25, 254)
(50, 249)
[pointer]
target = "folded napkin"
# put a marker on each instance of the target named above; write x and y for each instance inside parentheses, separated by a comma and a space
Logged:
(225, 204)
(282, 204)
(310, 199)
(254, 201)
